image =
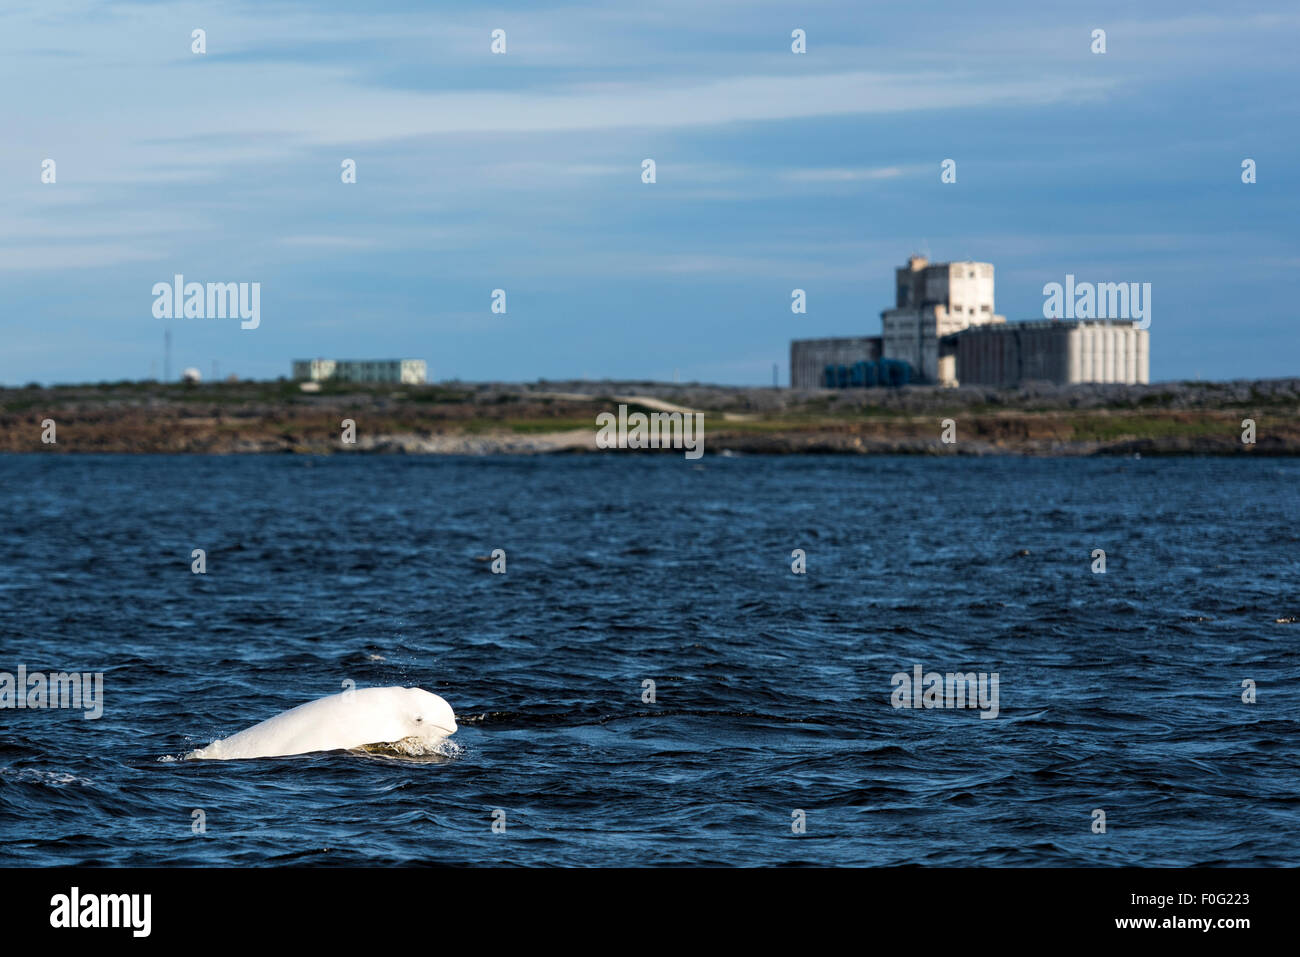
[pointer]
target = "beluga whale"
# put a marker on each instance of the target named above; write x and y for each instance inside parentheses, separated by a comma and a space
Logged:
(411, 720)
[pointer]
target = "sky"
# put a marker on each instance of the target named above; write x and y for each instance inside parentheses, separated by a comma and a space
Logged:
(522, 171)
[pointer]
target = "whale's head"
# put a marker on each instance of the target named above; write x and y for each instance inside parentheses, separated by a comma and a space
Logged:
(427, 716)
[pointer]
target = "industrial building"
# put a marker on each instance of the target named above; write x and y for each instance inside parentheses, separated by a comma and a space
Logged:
(403, 371)
(809, 358)
(1054, 350)
(943, 329)
(934, 300)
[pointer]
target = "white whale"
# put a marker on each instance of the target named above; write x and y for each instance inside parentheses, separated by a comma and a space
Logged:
(410, 718)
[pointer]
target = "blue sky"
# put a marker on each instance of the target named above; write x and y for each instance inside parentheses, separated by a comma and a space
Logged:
(775, 171)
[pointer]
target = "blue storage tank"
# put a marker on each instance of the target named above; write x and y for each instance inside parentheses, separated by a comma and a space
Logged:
(866, 374)
(895, 373)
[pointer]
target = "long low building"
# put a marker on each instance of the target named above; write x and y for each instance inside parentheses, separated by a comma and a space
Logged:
(404, 371)
(810, 357)
(1053, 350)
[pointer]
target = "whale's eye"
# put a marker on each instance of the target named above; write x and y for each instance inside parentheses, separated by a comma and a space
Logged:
(419, 718)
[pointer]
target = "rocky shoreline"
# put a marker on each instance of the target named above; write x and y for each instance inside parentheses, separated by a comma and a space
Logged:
(550, 418)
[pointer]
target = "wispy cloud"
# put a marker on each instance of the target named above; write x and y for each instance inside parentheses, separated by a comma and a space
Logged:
(845, 175)
(328, 242)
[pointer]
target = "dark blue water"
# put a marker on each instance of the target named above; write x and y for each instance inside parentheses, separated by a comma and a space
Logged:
(1118, 691)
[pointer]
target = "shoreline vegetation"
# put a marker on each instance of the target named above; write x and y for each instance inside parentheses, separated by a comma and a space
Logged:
(1166, 418)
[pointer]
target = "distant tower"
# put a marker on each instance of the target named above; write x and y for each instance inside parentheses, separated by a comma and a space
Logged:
(935, 300)
(167, 355)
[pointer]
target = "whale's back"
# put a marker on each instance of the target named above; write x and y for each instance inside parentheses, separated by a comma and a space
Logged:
(348, 720)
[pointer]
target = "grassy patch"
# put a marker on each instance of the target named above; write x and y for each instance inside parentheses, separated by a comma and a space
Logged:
(1106, 428)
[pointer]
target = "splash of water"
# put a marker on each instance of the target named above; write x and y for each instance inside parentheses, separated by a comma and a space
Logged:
(416, 748)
